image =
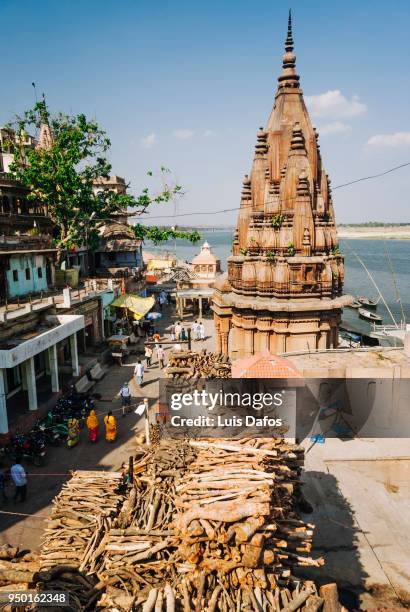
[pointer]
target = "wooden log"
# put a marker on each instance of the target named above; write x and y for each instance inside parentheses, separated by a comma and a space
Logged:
(298, 601)
(150, 602)
(169, 598)
(313, 604)
(330, 597)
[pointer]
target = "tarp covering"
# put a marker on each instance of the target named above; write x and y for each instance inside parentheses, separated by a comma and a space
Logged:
(139, 306)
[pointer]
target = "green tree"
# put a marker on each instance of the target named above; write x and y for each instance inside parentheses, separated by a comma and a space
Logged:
(62, 174)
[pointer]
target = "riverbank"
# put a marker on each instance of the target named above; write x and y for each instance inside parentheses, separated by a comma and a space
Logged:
(388, 232)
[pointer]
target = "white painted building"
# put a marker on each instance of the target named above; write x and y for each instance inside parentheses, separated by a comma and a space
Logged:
(18, 355)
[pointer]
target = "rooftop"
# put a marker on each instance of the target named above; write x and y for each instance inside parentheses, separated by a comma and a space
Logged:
(382, 361)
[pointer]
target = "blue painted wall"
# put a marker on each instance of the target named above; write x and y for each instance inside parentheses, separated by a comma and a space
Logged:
(17, 281)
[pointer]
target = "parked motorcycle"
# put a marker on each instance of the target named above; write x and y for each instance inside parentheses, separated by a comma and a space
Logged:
(54, 433)
(31, 447)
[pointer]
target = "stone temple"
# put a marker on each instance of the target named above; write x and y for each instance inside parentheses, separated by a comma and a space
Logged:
(283, 288)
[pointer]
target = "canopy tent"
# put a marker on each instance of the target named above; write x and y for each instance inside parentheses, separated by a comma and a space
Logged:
(139, 306)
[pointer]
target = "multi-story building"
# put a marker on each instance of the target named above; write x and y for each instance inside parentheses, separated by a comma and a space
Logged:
(26, 250)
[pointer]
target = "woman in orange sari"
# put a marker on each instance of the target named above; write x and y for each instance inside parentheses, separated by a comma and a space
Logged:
(110, 427)
(92, 426)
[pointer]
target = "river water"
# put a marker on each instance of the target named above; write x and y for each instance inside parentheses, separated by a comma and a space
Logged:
(379, 256)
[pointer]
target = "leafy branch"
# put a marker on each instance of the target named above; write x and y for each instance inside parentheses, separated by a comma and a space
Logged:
(66, 174)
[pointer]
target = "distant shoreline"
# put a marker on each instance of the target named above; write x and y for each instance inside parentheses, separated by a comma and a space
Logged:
(353, 232)
(375, 233)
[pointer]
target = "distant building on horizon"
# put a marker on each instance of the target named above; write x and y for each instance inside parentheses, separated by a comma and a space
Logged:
(283, 288)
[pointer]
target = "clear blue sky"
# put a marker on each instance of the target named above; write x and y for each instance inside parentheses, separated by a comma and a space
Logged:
(186, 84)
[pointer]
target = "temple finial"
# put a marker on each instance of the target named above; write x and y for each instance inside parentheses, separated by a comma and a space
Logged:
(289, 76)
(289, 39)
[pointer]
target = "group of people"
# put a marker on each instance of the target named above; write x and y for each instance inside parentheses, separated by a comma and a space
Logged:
(198, 330)
(179, 333)
(92, 424)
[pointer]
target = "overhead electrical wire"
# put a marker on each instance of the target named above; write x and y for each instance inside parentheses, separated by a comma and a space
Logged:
(353, 182)
(225, 210)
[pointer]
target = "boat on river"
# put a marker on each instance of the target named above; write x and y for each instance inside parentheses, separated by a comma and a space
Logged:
(365, 301)
(369, 316)
(355, 304)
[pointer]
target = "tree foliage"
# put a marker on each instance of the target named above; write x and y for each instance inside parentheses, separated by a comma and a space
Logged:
(62, 175)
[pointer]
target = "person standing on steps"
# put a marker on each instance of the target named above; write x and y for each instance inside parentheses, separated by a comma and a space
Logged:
(19, 477)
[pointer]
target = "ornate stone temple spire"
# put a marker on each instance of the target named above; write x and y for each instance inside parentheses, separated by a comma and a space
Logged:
(45, 138)
(289, 59)
(283, 289)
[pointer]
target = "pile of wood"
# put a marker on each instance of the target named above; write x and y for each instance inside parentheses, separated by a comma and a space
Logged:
(18, 569)
(207, 525)
(211, 525)
(241, 536)
(192, 365)
(139, 549)
(82, 514)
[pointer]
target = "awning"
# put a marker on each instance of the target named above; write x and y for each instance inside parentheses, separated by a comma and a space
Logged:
(139, 306)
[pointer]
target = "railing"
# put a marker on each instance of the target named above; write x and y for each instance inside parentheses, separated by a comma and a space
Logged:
(8, 176)
(402, 326)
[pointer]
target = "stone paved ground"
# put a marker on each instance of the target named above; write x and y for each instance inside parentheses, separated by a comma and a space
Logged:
(24, 526)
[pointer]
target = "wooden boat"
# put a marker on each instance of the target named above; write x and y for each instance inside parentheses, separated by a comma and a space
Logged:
(355, 304)
(364, 301)
(369, 316)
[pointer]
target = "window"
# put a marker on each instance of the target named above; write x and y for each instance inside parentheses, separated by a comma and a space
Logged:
(28, 273)
(40, 272)
(15, 276)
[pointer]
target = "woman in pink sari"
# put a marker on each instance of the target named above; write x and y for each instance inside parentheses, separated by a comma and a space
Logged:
(92, 426)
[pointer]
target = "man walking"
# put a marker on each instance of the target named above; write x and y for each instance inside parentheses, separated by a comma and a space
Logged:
(172, 332)
(161, 357)
(148, 354)
(125, 399)
(139, 373)
(19, 477)
(201, 331)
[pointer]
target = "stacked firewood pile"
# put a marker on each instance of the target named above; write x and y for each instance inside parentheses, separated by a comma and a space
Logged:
(18, 569)
(191, 365)
(81, 515)
(140, 549)
(241, 536)
(211, 525)
(207, 525)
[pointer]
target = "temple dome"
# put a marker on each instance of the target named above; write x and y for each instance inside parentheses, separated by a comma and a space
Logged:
(205, 256)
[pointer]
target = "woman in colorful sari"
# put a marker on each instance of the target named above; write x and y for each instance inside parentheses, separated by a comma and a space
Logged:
(92, 426)
(73, 432)
(110, 427)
